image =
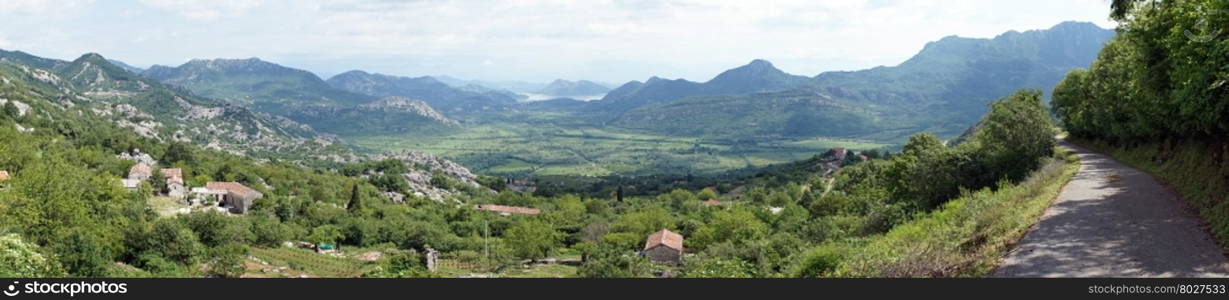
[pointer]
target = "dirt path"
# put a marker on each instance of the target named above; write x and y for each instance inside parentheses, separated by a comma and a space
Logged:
(1114, 221)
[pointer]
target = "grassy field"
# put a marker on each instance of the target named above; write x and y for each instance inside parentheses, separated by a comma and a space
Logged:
(307, 262)
(165, 206)
(545, 149)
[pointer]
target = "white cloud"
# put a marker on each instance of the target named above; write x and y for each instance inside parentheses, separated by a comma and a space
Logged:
(41, 6)
(608, 40)
(204, 9)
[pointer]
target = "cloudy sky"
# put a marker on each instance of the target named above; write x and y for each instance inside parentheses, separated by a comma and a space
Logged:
(534, 40)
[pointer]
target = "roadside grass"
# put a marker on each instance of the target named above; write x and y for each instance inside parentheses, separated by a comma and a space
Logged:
(1195, 168)
(966, 237)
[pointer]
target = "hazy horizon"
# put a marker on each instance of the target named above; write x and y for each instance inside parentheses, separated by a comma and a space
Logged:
(532, 41)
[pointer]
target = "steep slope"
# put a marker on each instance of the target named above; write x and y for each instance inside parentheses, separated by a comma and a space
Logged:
(453, 102)
(957, 76)
(391, 115)
(756, 76)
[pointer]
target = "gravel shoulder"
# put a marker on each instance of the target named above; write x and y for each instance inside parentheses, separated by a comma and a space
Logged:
(1112, 220)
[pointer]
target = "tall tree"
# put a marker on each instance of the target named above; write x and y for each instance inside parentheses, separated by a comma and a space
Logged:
(356, 200)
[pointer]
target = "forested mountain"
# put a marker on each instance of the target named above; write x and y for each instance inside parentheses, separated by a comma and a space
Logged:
(566, 88)
(447, 99)
(956, 77)
(262, 85)
(302, 96)
(944, 89)
(757, 76)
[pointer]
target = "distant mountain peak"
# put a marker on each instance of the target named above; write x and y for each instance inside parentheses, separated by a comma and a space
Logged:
(563, 87)
(91, 57)
(759, 62)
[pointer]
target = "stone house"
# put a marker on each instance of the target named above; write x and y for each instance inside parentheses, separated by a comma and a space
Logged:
(140, 172)
(174, 183)
(237, 197)
(664, 247)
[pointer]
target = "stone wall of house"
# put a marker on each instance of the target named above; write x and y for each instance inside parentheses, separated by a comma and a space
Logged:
(663, 255)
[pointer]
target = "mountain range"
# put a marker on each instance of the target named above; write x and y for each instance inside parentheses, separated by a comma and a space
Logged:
(92, 89)
(942, 89)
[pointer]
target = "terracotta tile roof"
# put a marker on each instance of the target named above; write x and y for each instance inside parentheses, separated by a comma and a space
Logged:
(140, 169)
(4, 175)
(712, 202)
(173, 175)
(233, 187)
(664, 238)
(507, 209)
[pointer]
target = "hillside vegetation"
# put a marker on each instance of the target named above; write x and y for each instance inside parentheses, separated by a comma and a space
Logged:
(1155, 98)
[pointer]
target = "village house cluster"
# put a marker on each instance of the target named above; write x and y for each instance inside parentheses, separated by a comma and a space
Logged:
(230, 197)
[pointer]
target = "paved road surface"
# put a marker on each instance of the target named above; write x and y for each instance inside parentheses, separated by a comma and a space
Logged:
(1114, 221)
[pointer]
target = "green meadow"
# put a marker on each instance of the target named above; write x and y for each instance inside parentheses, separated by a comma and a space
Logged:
(548, 149)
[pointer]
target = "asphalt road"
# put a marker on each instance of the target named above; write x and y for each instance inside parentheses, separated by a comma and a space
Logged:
(1115, 221)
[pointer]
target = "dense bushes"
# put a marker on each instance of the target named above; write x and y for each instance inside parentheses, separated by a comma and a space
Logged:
(1164, 75)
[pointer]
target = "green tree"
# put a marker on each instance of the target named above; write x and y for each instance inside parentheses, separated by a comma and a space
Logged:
(737, 224)
(610, 262)
(22, 260)
(1017, 134)
(179, 152)
(171, 239)
(227, 260)
(268, 232)
(707, 194)
(216, 229)
(356, 200)
(532, 239)
(11, 111)
(83, 254)
(157, 182)
(644, 222)
(325, 234)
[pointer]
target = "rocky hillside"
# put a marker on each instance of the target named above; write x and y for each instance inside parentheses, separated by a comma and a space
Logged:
(92, 85)
(391, 115)
(90, 92)
(452, 102)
